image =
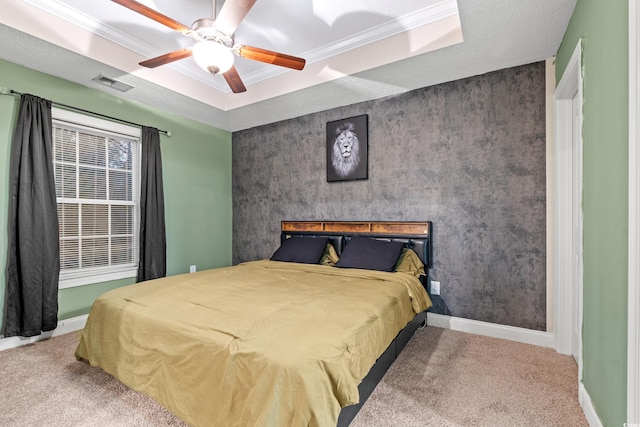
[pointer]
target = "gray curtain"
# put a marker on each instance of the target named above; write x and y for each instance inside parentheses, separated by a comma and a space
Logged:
(33, 267)
(153, 241)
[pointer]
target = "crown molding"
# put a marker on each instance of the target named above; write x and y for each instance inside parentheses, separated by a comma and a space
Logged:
(402, 24)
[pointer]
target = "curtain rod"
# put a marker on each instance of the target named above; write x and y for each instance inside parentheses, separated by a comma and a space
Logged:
(5, 91)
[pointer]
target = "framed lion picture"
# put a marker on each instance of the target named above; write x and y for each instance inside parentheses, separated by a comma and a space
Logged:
(347, 149)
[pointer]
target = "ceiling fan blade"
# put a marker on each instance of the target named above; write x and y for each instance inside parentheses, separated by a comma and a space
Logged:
(270, 57)
(153, 14)
(176, 55)
(234, 81)
(231, 14)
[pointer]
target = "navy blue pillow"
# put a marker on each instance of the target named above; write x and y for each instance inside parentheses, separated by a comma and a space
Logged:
(370, 254)
(305, 250)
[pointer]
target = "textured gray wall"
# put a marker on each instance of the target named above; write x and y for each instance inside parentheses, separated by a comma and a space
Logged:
(468, 155)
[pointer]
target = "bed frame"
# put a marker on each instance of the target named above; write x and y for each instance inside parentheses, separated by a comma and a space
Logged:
(415, 235)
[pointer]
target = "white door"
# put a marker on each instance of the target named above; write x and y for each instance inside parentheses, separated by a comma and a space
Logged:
(568, 210)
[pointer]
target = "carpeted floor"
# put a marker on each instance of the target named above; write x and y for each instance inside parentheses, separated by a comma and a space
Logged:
(449, 378)
(443, 378)
(42, 384)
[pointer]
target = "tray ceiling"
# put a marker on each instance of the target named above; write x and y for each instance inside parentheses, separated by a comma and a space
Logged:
(355, 51)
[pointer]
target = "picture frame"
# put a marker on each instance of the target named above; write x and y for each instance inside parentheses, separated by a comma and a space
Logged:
(348, 149)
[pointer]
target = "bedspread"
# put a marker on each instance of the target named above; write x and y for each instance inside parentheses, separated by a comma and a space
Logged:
(263, 343)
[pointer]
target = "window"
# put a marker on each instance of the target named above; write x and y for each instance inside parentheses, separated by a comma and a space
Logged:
(96, 168)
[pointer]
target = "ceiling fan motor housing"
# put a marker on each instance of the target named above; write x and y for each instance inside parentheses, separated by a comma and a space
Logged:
(204, 29)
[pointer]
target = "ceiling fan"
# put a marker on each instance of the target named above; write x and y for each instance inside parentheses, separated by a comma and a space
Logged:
(214, 47)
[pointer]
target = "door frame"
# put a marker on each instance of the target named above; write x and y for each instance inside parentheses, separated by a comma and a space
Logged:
(633, 317)
(568, 180)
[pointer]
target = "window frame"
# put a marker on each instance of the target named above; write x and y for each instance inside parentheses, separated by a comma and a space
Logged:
(88, 276)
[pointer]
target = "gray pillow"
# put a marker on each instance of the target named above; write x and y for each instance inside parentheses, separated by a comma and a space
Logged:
(370, 254)
(305, 250)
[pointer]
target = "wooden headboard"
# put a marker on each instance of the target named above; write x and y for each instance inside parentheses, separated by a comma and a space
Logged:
(415, 235)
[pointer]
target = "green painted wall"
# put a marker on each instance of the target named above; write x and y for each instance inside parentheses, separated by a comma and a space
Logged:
(604, 28)
(196, 172)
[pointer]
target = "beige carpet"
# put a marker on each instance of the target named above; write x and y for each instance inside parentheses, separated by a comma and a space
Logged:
(449, 378)
(443, 378)
(42, 384)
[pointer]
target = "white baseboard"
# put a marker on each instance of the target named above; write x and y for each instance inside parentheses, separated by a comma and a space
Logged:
(511, 333)
(527, 336)
(587, 407)
(64, 326)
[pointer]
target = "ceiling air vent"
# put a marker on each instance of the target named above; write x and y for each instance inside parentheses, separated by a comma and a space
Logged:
(112, 83)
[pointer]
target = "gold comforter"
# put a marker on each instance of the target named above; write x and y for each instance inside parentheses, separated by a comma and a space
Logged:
(264, 343)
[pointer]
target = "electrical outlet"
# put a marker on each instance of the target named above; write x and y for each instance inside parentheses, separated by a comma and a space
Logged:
(435, 288)
(192, 269)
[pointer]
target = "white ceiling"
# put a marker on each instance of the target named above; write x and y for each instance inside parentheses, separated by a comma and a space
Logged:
(355, 50)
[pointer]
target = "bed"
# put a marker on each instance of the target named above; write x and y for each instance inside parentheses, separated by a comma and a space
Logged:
(300, 339)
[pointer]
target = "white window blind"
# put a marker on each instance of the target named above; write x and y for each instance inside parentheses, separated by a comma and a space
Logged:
(96, 167)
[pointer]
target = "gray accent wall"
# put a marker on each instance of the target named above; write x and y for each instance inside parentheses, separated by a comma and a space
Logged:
(468, 155)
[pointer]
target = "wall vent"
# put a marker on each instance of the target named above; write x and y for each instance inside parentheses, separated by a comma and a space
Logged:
(112, 83)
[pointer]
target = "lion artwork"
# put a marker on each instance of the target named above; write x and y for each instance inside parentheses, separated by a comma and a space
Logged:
(346, 150)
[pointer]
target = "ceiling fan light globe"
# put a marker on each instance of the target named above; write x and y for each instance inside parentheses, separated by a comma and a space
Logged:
(212, 56)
